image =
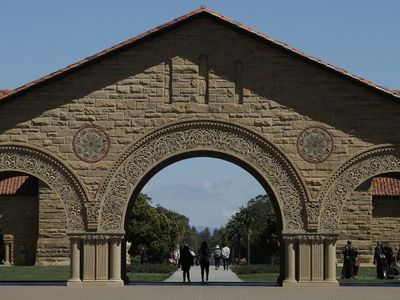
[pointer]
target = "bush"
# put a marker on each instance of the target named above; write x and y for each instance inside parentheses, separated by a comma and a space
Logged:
(151, 268)
(253, 269)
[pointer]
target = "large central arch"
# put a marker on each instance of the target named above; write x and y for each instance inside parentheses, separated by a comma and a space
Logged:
(209, 138)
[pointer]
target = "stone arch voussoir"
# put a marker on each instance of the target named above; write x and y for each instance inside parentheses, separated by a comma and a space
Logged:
(361, 167)
(49, 169)
(197, 136)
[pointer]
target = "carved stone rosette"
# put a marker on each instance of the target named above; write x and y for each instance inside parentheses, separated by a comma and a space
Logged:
(216, 137)
(47, 168)
(370, 163)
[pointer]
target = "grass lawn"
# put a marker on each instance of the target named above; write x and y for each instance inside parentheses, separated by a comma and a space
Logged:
(61, 273)
(34, 273)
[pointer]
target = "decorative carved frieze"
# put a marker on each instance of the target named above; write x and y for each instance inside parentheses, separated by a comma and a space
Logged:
(47, 168)
(227, 140)
(370, 163)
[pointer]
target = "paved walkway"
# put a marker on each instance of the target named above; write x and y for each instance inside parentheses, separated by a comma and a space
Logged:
(219, 275)
(197, 292)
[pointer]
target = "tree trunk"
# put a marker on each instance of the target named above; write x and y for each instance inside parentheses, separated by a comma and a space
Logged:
(248, 247)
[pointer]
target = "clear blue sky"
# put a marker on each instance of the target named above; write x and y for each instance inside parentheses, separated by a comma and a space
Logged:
(41, 36)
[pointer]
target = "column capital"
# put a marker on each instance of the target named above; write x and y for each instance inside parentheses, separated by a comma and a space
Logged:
(308, 237)
(96, 236)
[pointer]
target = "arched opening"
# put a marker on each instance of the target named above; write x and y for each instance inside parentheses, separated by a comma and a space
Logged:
(370, 220)
(33, 224)
(238, 245)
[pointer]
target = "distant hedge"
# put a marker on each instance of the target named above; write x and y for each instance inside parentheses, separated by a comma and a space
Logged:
(253, 269)
(151, 268)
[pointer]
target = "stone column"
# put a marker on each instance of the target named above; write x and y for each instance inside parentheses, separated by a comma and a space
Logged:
(8, 249)
(290, 262)
(115, 261)
(330, 262)
(75, 262)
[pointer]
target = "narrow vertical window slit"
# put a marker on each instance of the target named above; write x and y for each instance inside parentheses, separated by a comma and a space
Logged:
(239, 82)
(203, 79)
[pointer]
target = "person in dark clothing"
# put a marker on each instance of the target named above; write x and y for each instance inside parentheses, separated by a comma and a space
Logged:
(204, 260)
(185, 262)
(348, 261)
(1, 247)
(398, 255)
(380, 261)
(217, 257)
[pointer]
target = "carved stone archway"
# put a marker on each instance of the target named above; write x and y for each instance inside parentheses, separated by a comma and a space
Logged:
(204, 136)
(49, 169)
(359, 168)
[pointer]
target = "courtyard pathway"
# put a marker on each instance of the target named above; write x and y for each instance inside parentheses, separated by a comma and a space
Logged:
(197, 292)
(219, 275)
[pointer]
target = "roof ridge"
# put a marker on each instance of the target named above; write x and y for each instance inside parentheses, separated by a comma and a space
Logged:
(182, 19)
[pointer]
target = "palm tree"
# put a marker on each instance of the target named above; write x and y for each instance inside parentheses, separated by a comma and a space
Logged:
(233, 234)
(246, 217)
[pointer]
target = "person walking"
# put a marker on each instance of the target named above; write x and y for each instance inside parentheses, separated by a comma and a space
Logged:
(348, 261)
(204, 260)
(185, 262)
(1, 247)
(225, 257)
(379, 261)
(217, 257)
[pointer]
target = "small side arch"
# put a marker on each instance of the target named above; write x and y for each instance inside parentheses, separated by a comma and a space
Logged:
(224, 139)
(57, 175)
(359, 168)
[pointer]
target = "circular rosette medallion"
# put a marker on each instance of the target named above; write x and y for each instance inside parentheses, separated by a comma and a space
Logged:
(91, 144)
(315, 144)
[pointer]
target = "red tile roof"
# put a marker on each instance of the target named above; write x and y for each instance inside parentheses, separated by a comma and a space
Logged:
(18, 185)
(4, 93)
(202, 11)
(385, 186)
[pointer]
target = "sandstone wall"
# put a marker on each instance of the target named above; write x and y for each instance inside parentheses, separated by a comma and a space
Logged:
(386, 221)
(19, 217)
(366, 220)
(159, 81)
(356, 223)
(53, 247)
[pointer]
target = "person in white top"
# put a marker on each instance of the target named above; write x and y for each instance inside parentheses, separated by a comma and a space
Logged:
(225, 257)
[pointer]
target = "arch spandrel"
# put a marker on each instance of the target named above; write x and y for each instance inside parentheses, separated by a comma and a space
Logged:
(203, 136)
(361, 167)
(49, 169)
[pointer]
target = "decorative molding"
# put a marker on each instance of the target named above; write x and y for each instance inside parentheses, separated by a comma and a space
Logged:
(203, 136)
(310, 237)
(367, 164)
(91, 143)
(315, 144)
(49, 169)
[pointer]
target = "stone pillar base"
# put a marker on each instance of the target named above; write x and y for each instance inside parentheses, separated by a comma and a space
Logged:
(106, 283)
(310, 284)
(74, 283)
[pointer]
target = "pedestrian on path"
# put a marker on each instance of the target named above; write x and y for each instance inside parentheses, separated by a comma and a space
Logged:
(225, 257)
(217, 257)
(204, 260)
(185, 262)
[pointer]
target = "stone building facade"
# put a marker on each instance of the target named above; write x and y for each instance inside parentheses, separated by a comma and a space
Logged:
(201, 85)
(371, 214)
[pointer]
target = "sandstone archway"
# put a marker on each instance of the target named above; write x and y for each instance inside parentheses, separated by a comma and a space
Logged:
(49, 169)
(359, 168)
(196, 138)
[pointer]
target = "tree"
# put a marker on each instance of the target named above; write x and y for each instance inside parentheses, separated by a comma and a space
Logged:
(157, 229)
(246, 217)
